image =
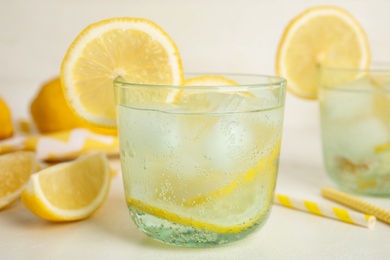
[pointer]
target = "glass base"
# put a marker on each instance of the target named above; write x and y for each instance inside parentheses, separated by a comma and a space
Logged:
(180, 235)
(364, 185)
(363, 177)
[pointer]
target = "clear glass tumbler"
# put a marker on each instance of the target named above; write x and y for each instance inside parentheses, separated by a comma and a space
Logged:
(199, 163)
(355, 126)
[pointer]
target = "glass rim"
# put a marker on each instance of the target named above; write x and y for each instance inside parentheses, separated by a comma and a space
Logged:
(374, 67)
(120, 82)
(358, 90)
(377, 69)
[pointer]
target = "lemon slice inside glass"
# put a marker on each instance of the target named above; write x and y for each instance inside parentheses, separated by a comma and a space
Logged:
(238, 197)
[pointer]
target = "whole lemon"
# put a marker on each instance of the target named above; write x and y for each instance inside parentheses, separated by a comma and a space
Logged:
(51, 113)
(6, 127)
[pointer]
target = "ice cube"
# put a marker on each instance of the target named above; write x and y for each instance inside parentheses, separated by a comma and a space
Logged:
(226, 144)
(242, 101)
(347, 101)
(262, 100)
(149, 131)
(356, 140)
(227, 102)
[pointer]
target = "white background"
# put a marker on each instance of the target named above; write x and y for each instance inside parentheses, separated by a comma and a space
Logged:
(212, 36)
(217, 36)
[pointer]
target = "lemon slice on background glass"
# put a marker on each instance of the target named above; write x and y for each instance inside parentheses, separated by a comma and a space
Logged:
(69, 191)
(320, 36)
(134, 49)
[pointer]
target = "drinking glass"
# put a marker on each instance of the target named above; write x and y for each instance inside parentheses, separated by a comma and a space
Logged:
(199, 163)
(355, 127)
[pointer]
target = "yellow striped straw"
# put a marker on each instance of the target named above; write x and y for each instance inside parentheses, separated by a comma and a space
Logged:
(344, 215)
(357, 204)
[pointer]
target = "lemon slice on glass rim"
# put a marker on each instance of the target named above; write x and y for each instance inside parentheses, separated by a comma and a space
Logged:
(135, 49)
(320, 36)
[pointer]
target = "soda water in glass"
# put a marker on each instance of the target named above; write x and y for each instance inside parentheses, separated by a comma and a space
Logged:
(199, 163)
(355, 126)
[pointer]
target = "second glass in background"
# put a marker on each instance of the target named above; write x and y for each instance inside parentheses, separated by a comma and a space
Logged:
(355, 128)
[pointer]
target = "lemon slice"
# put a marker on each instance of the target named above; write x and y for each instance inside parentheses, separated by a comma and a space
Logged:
(209, 80)
(134, 49)
(15, 172)
(69, 191)
(158, 212)
(381, 100)
(382, 148)
(197, 100)
(241, 179)
(320, 36)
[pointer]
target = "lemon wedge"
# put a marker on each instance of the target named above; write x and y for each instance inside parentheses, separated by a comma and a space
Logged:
(69, 191)
(15, 172)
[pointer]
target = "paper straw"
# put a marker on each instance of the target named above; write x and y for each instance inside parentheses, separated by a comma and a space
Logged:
(344, 215)
(357, 204)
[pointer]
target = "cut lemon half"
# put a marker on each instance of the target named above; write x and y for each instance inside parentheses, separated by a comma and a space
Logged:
(135, 49)
(15, 172)
(320, 36)
(69, 191)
